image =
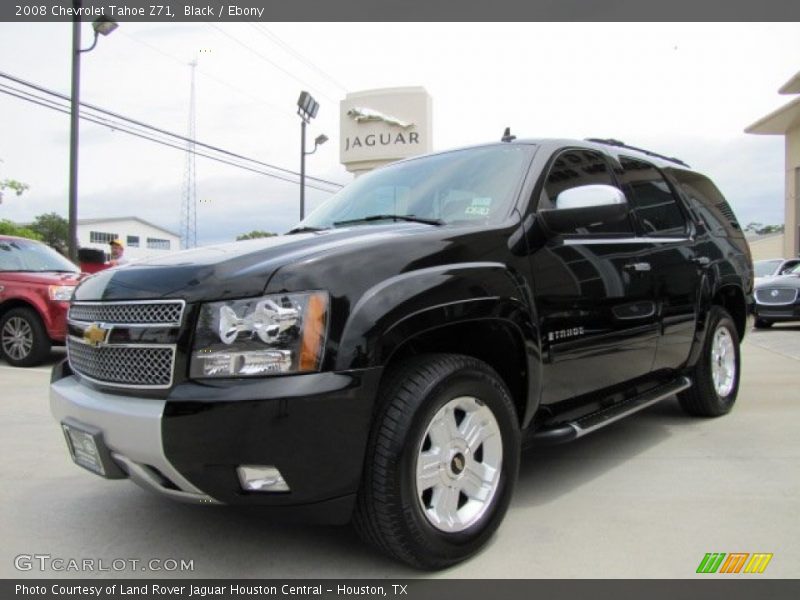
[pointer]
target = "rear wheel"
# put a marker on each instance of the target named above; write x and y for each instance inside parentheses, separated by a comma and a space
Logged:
(441, 463)
(763, 324)
(23, 339)
(715, 377)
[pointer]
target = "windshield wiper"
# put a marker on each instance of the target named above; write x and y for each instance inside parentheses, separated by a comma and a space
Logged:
(410, 218)
(306, 229)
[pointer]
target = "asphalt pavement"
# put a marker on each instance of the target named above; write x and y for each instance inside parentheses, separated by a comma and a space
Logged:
(647, 497)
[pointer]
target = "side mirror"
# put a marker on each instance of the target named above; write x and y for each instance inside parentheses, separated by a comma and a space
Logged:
(585, 206)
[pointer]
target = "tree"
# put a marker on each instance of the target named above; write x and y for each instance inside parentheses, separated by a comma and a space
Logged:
(255, 234)
(770, 229)
(761, 229)
(54, 230)
(12, 184)
(9, 228)
(753, 227)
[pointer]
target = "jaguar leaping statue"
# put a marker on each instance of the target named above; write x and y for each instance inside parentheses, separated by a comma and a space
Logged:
(360, 115)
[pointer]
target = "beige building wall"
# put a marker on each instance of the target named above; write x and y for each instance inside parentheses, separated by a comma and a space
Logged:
(791, 245)
(770, 246)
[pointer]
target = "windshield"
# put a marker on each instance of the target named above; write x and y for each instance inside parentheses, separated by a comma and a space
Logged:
(463, 186)
(27, 255)
(765, 268)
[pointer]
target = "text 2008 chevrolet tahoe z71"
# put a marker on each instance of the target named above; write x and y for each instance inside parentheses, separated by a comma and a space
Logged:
(387, 358)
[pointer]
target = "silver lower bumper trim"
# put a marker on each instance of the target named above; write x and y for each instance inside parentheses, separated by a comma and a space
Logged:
(145, 478)
(132, 431)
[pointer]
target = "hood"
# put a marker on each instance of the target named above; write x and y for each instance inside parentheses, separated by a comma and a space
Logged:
(41, 277)
(238, 269)
(778, 281)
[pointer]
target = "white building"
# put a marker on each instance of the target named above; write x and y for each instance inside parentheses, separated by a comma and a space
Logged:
(140, 238)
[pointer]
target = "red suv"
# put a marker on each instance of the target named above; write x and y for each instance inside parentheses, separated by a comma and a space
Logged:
(36, 283)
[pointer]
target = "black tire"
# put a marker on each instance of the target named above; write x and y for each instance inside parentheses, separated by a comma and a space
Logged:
(762, 324)
(704, 399)
(35, 346)
(389, 512)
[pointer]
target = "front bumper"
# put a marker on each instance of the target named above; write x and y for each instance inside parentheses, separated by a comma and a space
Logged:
(56, 320)
(777, 313)
(312, 427)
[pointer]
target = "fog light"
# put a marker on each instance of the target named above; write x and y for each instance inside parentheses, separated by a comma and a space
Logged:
(232, 364)
(261, 478)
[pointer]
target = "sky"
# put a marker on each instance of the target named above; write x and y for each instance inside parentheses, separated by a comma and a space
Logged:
(685, 90)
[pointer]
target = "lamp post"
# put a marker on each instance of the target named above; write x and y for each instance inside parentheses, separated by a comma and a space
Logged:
(307, 109)
(101, 26)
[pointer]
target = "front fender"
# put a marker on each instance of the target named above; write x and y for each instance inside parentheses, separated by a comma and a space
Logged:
(407, 304)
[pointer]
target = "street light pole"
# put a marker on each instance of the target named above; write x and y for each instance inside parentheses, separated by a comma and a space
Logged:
(73, 134)
(307, 109)
(302, 169)
(101, 26)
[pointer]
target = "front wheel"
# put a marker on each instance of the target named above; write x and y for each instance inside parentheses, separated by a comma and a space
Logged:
(715, 377)
(23, 339)
(441, 463)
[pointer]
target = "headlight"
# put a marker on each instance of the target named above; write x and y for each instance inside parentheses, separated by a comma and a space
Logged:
(270, 335)
(61, 293)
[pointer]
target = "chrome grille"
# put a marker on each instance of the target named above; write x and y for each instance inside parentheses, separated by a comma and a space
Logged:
(774, 295)
(149, 312)
(123, 365)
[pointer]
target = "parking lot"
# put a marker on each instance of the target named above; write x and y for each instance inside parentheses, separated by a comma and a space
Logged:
(647, 497)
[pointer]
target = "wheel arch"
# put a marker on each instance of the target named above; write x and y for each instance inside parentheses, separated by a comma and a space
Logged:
(13, 303)
(729, 296)
(499, 343)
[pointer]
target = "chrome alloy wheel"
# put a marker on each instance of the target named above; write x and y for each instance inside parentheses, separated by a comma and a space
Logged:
(17, 338)
(458, 465)
(723, 362)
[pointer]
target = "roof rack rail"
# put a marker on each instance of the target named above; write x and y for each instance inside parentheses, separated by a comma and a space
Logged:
(618, 144)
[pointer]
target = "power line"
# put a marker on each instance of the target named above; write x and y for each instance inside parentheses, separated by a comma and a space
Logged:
(306, 61)
(118, 127)
(269, 61)
(165, 132)
(114, 126)
(208, 75)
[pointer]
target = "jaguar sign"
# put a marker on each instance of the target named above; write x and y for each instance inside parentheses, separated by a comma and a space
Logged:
(382, 126)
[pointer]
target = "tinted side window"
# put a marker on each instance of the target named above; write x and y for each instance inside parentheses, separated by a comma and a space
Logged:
(576, 168)
(651, 198)
(708, 202)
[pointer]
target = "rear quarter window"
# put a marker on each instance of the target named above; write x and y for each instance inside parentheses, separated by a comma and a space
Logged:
(708, 203)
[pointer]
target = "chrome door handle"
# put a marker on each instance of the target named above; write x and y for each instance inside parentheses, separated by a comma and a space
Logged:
(701, 260)
(639, 266)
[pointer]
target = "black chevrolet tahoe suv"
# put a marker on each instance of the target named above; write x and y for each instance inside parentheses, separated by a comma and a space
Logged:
(386, 360)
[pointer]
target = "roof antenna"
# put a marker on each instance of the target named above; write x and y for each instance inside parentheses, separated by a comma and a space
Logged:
(507, 137)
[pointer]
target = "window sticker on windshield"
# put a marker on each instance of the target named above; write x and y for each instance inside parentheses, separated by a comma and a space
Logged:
(479, 207)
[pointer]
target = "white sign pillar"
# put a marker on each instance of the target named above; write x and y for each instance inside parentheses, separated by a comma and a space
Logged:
(381, 126)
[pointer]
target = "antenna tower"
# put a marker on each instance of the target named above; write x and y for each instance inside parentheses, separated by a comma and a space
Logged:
(189, 192)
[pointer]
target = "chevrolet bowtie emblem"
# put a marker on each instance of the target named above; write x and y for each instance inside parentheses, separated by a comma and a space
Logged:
(95, 334)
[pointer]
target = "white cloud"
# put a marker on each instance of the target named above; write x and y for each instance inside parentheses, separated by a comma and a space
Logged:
(682, 89)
